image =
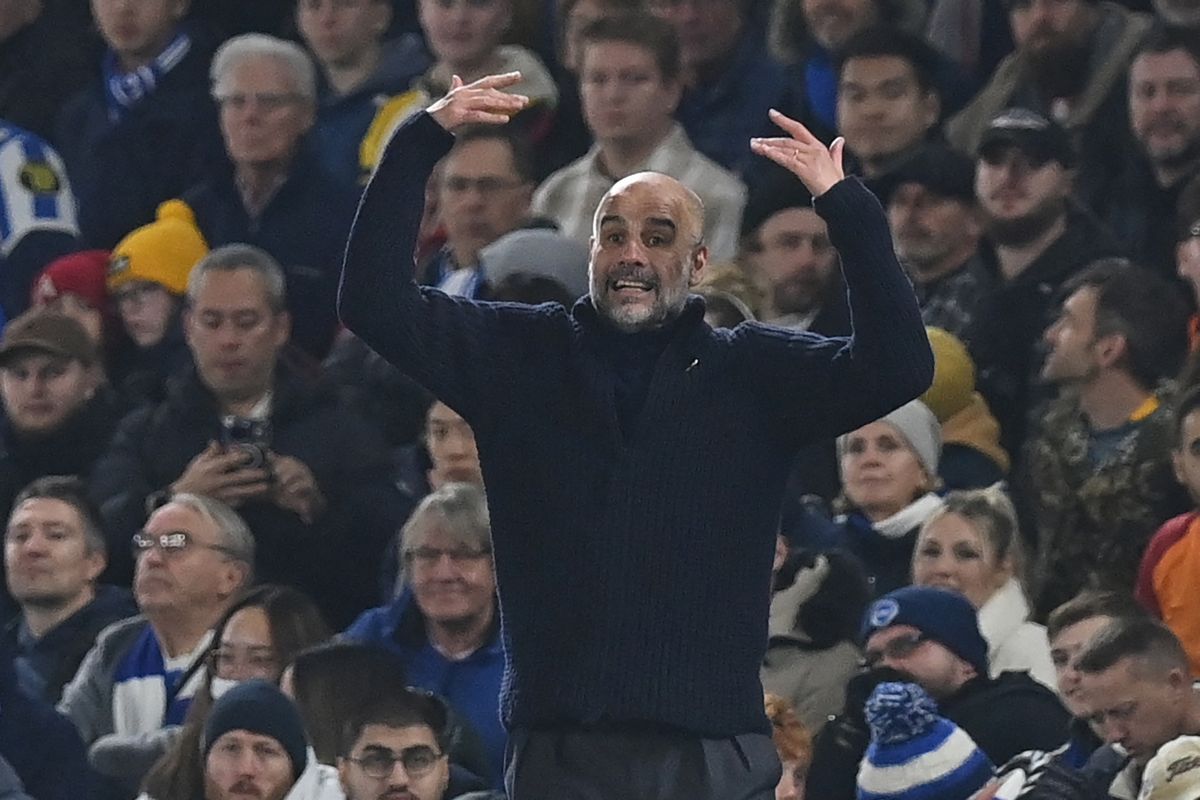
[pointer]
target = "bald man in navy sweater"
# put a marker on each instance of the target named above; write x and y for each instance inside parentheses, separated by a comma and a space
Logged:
(635, 459)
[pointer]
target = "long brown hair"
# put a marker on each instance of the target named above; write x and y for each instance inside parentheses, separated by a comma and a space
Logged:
(295, 624)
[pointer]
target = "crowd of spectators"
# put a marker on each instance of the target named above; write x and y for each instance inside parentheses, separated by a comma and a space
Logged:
(245, 554)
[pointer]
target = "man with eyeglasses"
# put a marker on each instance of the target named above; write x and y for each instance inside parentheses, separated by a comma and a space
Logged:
(246, 427)
(254, 746)
(930, 636)
(396, 749)
(484, 189)
(136, 684)
(272, 192)
(444, 622)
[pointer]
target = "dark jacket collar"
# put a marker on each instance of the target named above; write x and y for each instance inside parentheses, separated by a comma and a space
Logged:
(291, 396)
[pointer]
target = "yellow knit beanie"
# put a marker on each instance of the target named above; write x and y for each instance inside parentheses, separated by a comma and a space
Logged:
(953, 375)
(162, 252)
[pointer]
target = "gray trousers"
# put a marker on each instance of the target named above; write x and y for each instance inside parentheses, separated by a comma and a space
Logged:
(583, 764)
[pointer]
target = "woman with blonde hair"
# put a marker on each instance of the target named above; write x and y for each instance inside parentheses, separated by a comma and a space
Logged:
(973, 546)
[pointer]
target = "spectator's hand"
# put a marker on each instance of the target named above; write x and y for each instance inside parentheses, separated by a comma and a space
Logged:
(803, 155)
(482, 101)
(222, 475)
(296, 489)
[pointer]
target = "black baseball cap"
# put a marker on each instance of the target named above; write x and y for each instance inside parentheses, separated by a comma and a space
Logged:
(1038, 137)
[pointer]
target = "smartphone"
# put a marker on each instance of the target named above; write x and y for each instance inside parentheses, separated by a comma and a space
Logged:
(250, 436)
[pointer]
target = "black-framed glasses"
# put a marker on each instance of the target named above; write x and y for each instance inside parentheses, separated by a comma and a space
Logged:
(172, 543)
(378, 762)
(459, 556)
(898, 648)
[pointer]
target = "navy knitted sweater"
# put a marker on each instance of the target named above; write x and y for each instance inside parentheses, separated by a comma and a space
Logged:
(633, 569)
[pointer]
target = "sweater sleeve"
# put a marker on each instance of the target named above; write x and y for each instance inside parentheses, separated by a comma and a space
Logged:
(11, 787)
(833, 385)
(458, 349)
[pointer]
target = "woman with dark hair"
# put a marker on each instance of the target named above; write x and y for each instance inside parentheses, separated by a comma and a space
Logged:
(257, 637)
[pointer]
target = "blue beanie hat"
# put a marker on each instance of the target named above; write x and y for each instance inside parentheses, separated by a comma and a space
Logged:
(944, 616)
(259, 707)
(914, 753)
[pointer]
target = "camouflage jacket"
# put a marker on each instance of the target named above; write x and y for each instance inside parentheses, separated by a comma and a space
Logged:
(1094, 521)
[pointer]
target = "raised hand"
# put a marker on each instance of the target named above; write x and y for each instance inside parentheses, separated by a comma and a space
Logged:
(482, 101)
(803, 154)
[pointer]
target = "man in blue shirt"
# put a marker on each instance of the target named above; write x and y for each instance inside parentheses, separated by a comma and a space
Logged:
(445, 623)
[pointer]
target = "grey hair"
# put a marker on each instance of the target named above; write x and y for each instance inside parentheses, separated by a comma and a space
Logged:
(232, 257)
(238, 540)
(242, 48)
(462, 510)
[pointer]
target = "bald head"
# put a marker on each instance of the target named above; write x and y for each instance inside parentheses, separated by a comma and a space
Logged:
(647, 250)
(689, 208)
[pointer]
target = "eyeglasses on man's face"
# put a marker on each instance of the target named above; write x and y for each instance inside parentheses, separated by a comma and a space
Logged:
(379, 762)
(172, 543)
(459, 556)
(899, 648)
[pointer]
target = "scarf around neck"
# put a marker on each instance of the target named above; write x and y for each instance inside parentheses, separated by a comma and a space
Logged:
(124, 90)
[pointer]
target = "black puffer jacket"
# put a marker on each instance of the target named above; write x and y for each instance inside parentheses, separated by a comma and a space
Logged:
(336, 558)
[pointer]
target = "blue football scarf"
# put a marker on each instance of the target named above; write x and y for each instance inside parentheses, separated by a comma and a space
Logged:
(124, 90)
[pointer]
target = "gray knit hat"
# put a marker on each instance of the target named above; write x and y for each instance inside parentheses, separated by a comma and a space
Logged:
(920, 428)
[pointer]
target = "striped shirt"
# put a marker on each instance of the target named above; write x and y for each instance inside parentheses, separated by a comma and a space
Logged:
(147, 694)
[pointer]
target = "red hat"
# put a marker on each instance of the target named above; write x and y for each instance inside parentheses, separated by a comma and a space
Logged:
(81, 274)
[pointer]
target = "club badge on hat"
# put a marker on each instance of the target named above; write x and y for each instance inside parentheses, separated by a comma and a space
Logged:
(883, 612)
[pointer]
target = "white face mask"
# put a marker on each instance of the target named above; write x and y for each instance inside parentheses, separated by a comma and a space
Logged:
(219, 686)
